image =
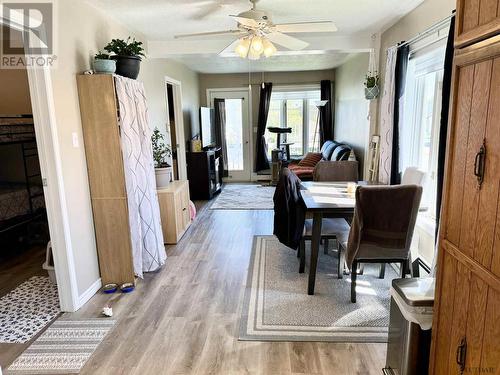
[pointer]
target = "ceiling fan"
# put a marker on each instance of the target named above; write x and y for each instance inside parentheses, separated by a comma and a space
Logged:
(256, 33)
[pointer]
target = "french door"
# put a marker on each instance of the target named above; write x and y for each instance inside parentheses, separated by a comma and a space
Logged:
(238, 133)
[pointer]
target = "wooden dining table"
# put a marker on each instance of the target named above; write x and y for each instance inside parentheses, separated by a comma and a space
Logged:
(325, 199)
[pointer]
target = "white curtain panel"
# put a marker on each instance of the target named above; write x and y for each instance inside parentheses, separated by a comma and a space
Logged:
(144, 211)
(387, 117)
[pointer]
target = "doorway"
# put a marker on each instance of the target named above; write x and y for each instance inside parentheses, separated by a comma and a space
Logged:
(175, 127)
(237, 108)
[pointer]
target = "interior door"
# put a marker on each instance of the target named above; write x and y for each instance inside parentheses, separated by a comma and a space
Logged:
(237, 133)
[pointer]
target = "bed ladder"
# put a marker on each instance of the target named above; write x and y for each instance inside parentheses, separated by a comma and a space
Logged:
(30, 153)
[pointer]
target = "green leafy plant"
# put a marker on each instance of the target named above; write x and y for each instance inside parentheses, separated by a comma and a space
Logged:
(129, 47)
(101, 56)
(161, 149)
(371, 80)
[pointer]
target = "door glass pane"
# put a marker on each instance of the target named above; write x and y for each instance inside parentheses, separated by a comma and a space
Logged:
(234, 134)
(295, 120)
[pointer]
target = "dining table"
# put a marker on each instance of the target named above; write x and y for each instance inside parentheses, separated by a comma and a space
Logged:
(326, 199)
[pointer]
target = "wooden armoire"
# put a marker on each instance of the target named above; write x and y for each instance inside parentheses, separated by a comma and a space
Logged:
(466, 326)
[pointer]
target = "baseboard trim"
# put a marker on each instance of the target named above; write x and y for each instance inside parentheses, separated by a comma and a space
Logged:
(89, 293)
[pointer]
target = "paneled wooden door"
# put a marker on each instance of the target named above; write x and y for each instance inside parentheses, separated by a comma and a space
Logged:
(466, 328)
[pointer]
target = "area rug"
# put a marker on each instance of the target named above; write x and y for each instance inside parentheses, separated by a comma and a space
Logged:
(245, 197)
(28, 309)
(63, 348)
(277, 307)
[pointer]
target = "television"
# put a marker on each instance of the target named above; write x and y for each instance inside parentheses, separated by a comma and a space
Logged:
(207, 127)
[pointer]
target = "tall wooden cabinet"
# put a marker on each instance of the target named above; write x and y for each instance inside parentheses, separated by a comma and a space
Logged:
(466, 326)
(101, 134)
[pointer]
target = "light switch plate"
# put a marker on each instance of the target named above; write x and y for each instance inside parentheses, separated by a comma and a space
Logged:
(76, 142)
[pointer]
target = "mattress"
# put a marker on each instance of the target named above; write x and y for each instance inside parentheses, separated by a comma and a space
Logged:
(14, 200)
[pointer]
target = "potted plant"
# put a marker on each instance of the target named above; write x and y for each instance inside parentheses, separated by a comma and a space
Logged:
(372, 89)
(127, 54)
(102, 63)
(161, 151)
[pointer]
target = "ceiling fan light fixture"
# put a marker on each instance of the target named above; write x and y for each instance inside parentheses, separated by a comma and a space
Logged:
(257, 44)
(243, 47)
(269, 48)
(253, 55)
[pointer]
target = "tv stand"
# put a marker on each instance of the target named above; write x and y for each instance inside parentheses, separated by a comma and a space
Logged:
(204, 173)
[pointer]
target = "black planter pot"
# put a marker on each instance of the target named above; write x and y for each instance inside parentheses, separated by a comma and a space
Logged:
(127, 66)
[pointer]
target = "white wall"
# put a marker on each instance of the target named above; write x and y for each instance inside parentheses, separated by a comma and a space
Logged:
(352, 125)
(153, 73)
(82, 31)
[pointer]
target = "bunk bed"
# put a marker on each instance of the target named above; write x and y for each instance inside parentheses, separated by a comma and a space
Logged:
(21, 202)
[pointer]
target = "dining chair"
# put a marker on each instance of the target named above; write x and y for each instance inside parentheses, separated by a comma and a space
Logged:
(413, 176)
(382, 227)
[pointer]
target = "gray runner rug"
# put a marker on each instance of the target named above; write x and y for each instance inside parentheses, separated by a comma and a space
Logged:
(63, 348)
(277, 307)
(245, 197)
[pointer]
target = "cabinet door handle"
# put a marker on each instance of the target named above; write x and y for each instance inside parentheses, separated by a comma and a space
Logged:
(461, 354)
(479, 164)
(184, 209)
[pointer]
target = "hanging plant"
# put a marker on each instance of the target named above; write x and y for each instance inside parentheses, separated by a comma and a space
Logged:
(372, 89)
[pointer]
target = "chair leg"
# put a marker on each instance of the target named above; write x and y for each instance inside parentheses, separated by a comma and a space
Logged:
(353, 281)
(325, 246)
(341, 259)
(302, 253)
(381, 274)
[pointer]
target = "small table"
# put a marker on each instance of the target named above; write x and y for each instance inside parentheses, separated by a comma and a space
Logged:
(325, 198)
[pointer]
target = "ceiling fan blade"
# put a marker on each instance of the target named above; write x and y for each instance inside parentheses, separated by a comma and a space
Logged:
(306, 27)
(230, 48)
(287, 41)
(248, 22)
(211, 33)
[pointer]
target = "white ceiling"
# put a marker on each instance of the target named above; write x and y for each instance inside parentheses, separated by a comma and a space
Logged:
(160, 20)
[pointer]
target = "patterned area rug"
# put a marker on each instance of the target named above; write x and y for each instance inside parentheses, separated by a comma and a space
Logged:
(245, 197)
(278, 308)
(27, 309)
(63, 348)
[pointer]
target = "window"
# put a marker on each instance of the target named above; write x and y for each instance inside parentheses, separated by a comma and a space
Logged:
(421, 118)
(297, 110)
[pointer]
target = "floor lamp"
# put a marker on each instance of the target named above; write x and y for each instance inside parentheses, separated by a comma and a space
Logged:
(319, 104)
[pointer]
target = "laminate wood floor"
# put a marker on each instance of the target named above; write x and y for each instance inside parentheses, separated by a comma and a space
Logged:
(185, 318)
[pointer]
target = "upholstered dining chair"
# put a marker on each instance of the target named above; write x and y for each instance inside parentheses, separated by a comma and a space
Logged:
(382, 227)
(413, 176)
(346, 171)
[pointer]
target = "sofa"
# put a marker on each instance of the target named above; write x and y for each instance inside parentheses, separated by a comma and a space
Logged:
(330, 151)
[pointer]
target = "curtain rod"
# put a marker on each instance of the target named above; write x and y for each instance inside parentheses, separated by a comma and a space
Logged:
(425, 33)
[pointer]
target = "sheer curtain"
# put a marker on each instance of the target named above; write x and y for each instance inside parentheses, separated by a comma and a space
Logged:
(387, 117)
(148, 250)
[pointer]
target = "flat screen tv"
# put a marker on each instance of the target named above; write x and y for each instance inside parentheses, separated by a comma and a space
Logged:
(207, 127)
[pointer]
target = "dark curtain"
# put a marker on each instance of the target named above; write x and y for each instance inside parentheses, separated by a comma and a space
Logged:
(325, 113)
(220, 131)
(443, 127)
(400, 83)
(261, 161)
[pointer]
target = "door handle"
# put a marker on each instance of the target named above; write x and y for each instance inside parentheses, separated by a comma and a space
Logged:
(479, 164)
(461, 354)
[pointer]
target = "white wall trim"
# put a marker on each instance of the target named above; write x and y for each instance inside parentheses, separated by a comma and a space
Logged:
(44, 118)
(179, 125)
(89, 293)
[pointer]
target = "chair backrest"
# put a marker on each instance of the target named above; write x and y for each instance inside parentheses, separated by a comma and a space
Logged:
(384, 217)
(413, 176)
(336, 171)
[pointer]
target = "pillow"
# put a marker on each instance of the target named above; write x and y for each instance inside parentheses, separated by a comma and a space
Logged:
(311, 159)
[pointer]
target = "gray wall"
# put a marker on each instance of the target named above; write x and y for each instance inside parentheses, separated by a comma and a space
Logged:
(352, 125)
